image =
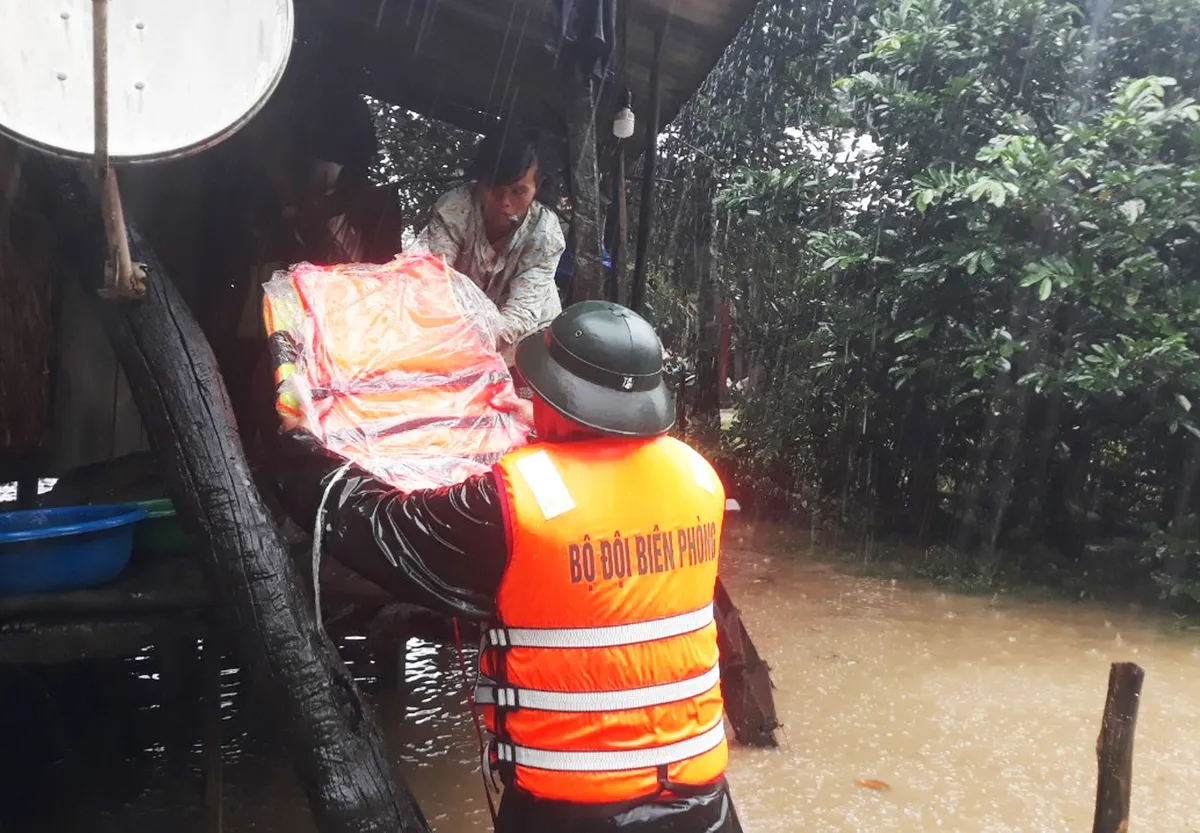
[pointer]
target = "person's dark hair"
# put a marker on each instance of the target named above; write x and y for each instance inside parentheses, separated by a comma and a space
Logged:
(504, 155)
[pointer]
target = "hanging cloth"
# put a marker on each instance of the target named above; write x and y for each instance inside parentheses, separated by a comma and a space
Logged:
(584, 36)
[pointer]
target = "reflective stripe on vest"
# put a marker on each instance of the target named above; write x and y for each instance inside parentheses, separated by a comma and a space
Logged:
(488, 693)
(612, 761)
(605, 637)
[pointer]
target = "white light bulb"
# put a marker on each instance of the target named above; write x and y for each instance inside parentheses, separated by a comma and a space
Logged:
(623, 123)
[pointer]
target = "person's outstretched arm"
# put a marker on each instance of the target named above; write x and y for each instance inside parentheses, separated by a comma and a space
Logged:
(443, 236)
(441, 548)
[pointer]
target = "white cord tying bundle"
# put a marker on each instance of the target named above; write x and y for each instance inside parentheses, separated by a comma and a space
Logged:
(318, 534)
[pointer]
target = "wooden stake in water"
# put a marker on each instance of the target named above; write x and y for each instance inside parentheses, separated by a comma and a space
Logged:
(1114, 748)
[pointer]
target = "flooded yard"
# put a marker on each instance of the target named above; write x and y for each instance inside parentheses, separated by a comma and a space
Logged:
(973, 714)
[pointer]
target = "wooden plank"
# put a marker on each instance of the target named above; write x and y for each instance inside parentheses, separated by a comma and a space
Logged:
(1114, 748)
(42, 642)
(157, 586)
(94, 418)
(26, 320)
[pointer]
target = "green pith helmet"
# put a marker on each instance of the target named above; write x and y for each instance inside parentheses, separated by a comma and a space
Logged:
(600, 364)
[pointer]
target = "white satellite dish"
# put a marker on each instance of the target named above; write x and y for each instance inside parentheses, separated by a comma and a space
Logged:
(182, 74)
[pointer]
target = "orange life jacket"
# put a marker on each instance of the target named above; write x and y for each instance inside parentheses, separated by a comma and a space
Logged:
(397, 374)
(600, 680)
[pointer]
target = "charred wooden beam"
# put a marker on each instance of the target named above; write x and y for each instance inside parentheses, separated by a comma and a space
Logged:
(335, 744)
(1114, 748)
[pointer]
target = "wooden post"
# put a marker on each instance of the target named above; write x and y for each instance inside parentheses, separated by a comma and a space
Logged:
(178, 693)
(399, 649)
(723, 364)
(27, 491)
(1114, 748)
(390, 653)
(745, 678)
(637, 293)
(619, 246)
(335, 744)
(706, 405)
(587, 282)
(211, 744)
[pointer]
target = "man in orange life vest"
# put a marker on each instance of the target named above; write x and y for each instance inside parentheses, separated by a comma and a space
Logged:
(593, 553)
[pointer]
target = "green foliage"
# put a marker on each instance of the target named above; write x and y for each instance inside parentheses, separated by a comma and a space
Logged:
(961, 240)
(422, 158)
(1173, 554)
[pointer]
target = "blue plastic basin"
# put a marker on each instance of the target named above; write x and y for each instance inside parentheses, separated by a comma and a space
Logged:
(52, 550)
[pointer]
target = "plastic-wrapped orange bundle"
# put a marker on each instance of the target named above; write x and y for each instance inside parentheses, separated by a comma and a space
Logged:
(394, 367)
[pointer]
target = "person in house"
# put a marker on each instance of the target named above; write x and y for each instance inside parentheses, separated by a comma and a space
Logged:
(494, 230)
(593, 554)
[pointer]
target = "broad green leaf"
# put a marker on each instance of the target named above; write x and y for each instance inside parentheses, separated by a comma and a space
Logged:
(1035, 275)
(1044, 289)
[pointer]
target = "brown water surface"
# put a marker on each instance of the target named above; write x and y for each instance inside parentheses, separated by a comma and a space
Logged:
(977, 713)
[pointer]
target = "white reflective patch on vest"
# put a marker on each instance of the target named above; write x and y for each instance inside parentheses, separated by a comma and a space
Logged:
(703, 474)
(547, 486)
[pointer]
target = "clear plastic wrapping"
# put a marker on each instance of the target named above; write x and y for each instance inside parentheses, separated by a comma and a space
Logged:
(393, 367)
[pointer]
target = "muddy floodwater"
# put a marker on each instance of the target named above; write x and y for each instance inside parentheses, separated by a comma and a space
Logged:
(972, 713)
